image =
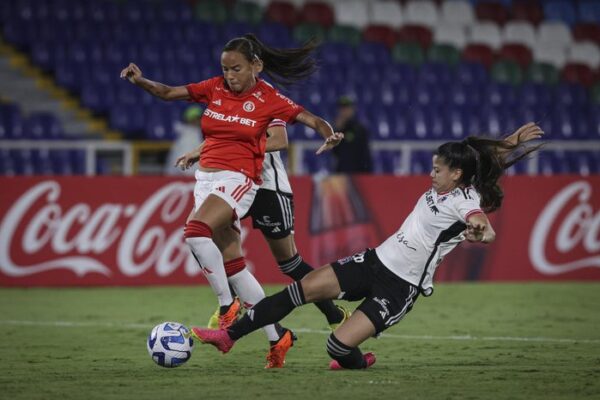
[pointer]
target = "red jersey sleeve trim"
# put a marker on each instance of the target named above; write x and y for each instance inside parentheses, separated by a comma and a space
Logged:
(472, 212)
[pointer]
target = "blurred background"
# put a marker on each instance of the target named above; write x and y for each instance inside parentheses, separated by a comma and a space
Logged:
(419, 72)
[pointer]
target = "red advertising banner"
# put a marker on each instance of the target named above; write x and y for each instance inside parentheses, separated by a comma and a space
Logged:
(78, 231)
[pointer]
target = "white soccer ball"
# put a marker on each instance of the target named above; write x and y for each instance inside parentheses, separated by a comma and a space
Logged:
(169, 344)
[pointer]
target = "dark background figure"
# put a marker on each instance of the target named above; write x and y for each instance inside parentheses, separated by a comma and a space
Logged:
(350, 155)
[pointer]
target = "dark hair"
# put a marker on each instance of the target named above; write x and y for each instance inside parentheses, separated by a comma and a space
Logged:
(284, 66)
(483, 161)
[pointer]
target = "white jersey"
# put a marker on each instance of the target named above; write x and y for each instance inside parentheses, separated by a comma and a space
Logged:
(433, 228)
(274, 174)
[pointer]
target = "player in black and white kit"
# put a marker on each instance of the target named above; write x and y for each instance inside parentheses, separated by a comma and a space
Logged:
(390, 277)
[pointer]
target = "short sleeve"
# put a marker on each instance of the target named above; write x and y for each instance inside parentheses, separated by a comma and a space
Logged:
(284, 108)
(467, 203)
(201, 92)
(277, 122)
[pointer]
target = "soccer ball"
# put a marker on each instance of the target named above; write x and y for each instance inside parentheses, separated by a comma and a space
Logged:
(169, 344)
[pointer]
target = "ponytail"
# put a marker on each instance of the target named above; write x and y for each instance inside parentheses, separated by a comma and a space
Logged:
(483, 162)
(283, 66)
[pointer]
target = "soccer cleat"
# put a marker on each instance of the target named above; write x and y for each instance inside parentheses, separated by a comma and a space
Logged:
(213, 322)
(227, 319)
(369, 358)
(347, 315)
(276, 355)
(217, 337)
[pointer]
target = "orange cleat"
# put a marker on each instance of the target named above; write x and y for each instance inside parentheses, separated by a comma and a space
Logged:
(227, 319)
(276, 356)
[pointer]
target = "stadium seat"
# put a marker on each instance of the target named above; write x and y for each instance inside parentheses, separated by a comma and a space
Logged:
(551, 162)
(439, 74)
(578, 73)
(521, 32)
(587, 32)
(586, 53)
(491, 11)
(283, 13)
(530, 11)
(380, 34)
(42, 126)
(408, 53)
(595, 93)
(583, 162)
(247, 12)
(415, 34)
(560, 10)
(21, 161)
(458, 13)
(314, 164)
(479, 53)
(274, 34)
(352, 12)
(175, 12)
(11, 122)
(542, 73)
(422, 12)
(486, 33)
(549, 53)
(554, 32)
(387, 13)
(499, 94)
(315, 12)
(305, 31)
(570, 95)
(471, 73)
(420, 162)
(589, 11)
(516, 52)
(373, 54)
(344, 34)
(443, 53)
(387, 162)
(213, 11)
(507, 71)
(450, 34)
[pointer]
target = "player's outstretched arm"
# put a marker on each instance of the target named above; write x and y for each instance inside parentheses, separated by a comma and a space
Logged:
(134, 75)
(332, 138)
(479, 229)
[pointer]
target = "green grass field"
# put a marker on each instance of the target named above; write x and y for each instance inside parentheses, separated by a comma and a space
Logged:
(468, 341)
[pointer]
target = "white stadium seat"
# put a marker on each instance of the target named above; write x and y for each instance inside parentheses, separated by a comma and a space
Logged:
(485, 33)
(521, 32)
(554, 32)
(457, 13)
(387, 12)
(547, 52)
(584, 53)
(423, 12)
(450, 34)
(351, 12)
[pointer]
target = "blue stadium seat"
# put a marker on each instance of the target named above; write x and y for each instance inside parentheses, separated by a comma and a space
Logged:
(43, 126)
(11, 122)
(313, 164)
(159, 122)
(428, 94)
(420, 162)
(60, 161)
(97, 97)
(336, 53)
(499, 94)
(570, 95)
(369, 53)
(560, 10)
(471, 73)
(551, 162)
(274, 34)
(584, 162)
(464, 95)
(41, 161)
(22, 161)
(386, 161)
(175, 11)
(589, 11)
(435, 73)
(128, 118)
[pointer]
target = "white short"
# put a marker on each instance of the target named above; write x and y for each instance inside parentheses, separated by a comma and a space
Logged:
(234, 187)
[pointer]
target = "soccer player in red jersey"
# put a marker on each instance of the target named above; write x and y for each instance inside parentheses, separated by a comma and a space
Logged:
(390, 277)
(240, 107)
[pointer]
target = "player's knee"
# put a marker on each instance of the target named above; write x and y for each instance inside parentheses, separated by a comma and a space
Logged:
(195, 228)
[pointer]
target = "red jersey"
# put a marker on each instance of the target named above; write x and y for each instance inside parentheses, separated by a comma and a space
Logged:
(234, 125)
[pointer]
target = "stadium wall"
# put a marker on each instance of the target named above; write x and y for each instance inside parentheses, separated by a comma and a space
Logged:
(76, 231)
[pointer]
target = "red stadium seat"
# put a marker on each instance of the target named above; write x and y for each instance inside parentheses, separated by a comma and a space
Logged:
(415, 33)
(578, 73)
(317, 13)
(380, 34)
(587, 31)
(516, 52)
(282, 12)
(479, 53)
(527, 11)
(491, 11)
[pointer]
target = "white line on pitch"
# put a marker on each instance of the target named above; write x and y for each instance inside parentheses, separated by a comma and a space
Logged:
(74, 324)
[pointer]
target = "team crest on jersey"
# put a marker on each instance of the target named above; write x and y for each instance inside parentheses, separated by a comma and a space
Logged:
(249, 106)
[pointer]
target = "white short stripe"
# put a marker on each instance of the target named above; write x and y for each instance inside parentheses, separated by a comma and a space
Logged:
(408, 302)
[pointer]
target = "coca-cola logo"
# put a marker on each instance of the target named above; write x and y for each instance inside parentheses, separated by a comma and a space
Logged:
(580, 226)
(137, 230)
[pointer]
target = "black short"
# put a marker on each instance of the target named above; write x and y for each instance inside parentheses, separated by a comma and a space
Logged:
(273, 213)
(387, 297)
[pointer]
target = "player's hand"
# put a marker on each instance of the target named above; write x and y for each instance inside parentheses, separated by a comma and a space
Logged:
(187, 160)
(474, 232)
(132, 73)
(331, 142)
(527, 132)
